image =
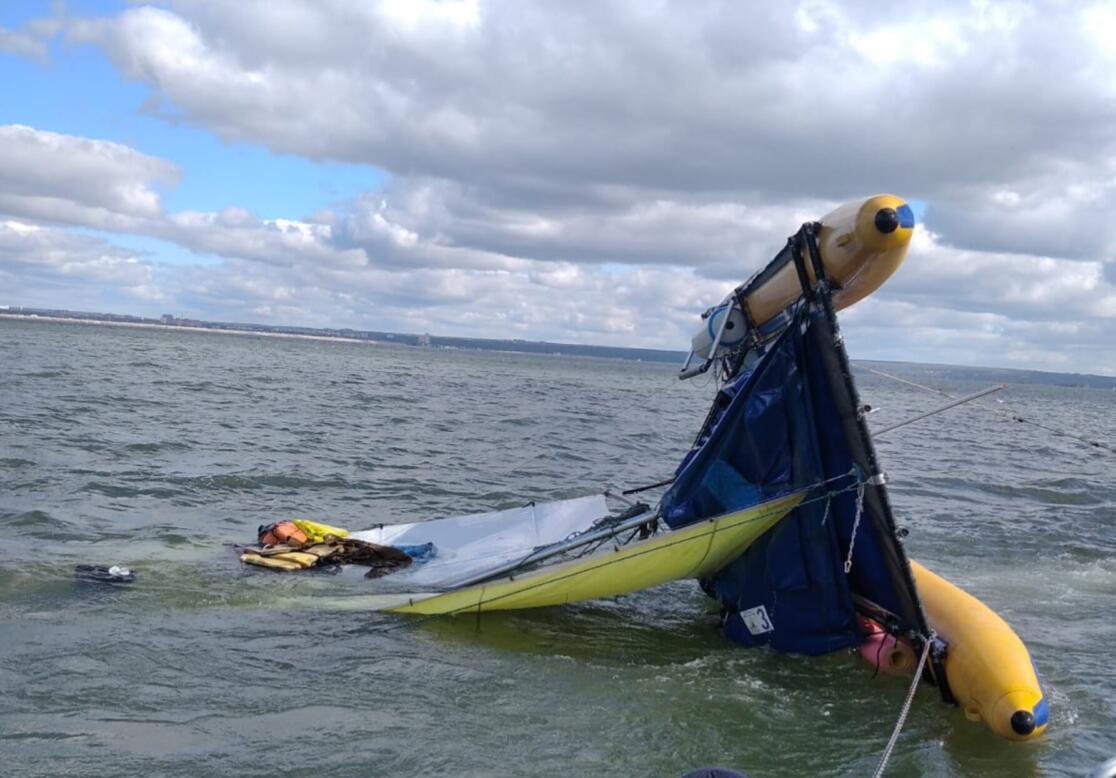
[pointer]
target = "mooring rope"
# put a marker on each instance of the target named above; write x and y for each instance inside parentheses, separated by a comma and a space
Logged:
(1006, 412)
(886, 755)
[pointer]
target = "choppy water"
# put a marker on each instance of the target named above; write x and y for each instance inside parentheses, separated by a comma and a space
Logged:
(157, 449)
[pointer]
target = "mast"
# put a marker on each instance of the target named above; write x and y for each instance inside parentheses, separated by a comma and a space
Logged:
(877, 503)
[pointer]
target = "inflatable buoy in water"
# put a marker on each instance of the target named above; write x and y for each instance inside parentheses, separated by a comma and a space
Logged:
(987, 666)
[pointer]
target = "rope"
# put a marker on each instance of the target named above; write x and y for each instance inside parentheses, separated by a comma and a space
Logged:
(905, 381)
(856, 525)
(638, 489)
(886, 755)
(1080, 438)
(1007, 413)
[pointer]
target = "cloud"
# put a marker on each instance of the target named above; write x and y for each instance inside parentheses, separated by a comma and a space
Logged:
(564, 303)
(722, 239)
(237, 233)
(22, 44)
(1026, 287)
(364, 267)
(607, 171)
(544, 106)
(894, 330)
(431, 255)
(31, 40)
(671, 97)
(46, 175)
(36, 262)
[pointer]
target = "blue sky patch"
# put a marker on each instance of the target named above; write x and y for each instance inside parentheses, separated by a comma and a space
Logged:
(78, 92)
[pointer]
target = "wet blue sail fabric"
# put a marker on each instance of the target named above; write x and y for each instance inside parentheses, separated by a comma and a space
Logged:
(774, 429)
(756, 446)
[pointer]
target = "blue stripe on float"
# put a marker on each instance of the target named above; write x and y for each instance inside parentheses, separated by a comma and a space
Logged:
(1041, 712)
(906, 216)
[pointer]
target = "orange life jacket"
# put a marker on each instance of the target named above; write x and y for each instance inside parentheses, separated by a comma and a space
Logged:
(283, 532)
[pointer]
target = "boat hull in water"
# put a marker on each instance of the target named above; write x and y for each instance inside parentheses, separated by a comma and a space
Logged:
(691, 552)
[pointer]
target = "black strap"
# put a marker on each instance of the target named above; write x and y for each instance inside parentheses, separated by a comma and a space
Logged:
(809, 233)
(639, 489)
(795, 242)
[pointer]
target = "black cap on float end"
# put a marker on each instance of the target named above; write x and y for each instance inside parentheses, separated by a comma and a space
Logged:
(887, 220)
(1023, 722)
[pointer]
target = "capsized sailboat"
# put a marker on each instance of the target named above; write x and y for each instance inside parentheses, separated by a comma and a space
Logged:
(834, 573)
(780, 509)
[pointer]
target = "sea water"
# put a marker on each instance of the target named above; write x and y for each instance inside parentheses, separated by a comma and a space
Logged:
(158, 450)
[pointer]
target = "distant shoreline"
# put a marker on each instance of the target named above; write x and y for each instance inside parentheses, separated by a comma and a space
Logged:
(184, 328)
(544, 348)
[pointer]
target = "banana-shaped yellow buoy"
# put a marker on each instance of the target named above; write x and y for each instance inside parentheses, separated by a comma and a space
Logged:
(987, 666)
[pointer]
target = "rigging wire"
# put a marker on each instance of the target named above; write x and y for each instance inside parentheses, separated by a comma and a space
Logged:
(855, 527)
(1006, 412)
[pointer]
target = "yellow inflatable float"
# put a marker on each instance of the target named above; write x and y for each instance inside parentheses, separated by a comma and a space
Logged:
(861, 245)
(988, 668)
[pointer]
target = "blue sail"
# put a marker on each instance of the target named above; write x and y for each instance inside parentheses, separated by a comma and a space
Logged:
(787, 422)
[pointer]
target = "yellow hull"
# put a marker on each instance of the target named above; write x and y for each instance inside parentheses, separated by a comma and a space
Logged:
(987, 666)
(692, 552)
(858, 255)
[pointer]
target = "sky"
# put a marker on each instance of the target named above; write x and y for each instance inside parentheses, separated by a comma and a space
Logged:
(585, 172)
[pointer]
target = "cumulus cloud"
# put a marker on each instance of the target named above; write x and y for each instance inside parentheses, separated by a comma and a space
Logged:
(46, 175)
(1020, 286)
(614, 224)
(36, 261)
(603, 172)
(237, 233)
(823, 101)
(556, 302)
(363, 267)
(897, 330)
